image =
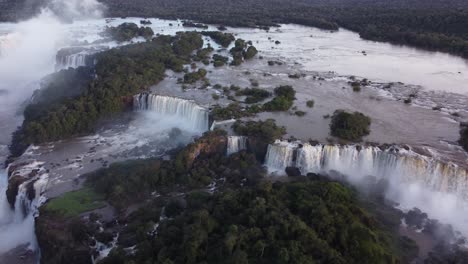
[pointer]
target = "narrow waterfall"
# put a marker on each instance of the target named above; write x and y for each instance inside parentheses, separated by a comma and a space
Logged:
(18, 224)
(236, 144)
(71, 61)
(185, 112)
(279, 156)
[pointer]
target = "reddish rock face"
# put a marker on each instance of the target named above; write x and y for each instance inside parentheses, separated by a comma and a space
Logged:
(211, 143)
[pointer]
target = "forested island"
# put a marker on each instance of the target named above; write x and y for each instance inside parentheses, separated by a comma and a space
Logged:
(179, 217)
(438, 25)
(79, 100)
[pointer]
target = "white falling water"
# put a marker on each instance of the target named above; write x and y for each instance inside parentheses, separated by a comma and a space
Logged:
(279, 156)
(71, 61)
(184, 112)
(396, 164)
(438, 188)
(236, 144)
(18, 225)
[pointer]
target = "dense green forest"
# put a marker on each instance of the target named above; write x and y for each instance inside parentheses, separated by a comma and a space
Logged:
(247, 219)
(128, 31)
(435, 25)
(119, 74)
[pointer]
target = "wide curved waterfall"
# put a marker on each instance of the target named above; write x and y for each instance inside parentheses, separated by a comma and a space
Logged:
(184, 111)
(236, 144)
(18, 223)
(436, 187)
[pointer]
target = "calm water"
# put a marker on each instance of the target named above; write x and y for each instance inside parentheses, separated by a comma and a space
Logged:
(341, 52)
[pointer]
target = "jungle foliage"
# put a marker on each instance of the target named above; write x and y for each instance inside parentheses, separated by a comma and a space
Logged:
(119, 74)
(349, 126)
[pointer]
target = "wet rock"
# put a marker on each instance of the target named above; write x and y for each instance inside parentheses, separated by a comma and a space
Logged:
(104, 237)
(127, 239)
(293, 172)
(13, 188)
(415, 218)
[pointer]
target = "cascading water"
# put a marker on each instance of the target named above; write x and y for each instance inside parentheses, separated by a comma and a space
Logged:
(71, 61)
(438, 188)
(236, 144)
(186, 113)
(279, 156)
(18, 224)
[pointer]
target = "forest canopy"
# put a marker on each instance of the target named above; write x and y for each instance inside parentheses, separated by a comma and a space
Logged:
(435, 25)
(120, 74)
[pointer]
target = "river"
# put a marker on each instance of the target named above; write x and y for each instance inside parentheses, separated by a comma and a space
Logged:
(27, 54)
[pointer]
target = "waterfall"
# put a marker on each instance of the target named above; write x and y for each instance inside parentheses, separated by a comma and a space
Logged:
(18, 224)
(71, 61)
(396, 164)
(185, 112)
(279, 156)
(236, 144)
(436, 187)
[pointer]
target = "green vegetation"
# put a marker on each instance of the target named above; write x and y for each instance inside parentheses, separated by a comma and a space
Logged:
(285, 96)
(440, 25)
(128, 31)
(248, 219)
(193, 77)
(74, 203)
(250, 53)
(219, 60)
(52, 91)
(233, 110)
(349, 126)
(278, 103)
(120, 73)
(310, 103)
(267, 130)
(464, 138)
(283, 101)
(308, 222)
(125, 183)
(254, 95)
(223, 39)
(203, 55)
(241, 51)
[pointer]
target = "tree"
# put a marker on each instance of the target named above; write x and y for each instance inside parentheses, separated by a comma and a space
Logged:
(349, 126)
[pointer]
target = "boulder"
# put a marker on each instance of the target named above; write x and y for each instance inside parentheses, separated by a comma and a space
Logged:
(293, 172)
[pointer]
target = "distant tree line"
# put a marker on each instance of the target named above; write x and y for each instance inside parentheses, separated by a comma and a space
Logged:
(435, 25)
